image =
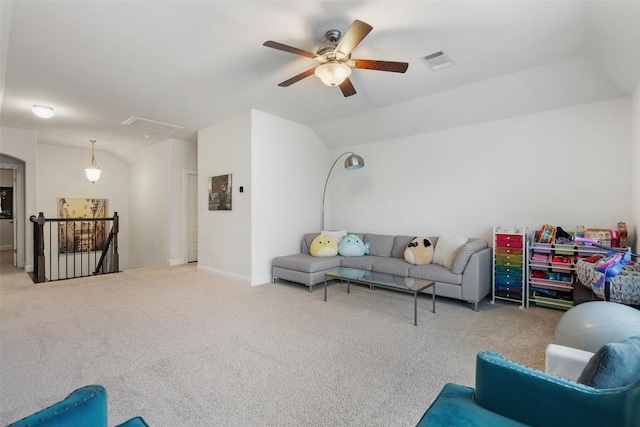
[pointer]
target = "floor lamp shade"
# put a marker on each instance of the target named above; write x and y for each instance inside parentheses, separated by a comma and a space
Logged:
(352, 162)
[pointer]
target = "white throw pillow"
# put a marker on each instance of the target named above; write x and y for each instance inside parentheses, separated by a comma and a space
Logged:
(336, 235)
(446, 249)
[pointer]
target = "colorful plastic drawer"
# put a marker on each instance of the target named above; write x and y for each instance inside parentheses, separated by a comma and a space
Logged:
(509, 288)
(505, 269)
(501, 281)
(509, 260)
(509, 276)
(508, 250)
(509, 294)
(508, 244)
(512, 237)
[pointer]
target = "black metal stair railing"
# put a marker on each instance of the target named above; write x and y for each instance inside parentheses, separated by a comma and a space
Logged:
(68, 248)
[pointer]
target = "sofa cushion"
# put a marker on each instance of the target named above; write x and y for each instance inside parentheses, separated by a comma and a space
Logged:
(399, 245)
(613, 365)
(447, 248)
(306, 263)
(462, 257)
(435, 272)
(361, 262)
(396, 266)
(307, 239)
(381, 244)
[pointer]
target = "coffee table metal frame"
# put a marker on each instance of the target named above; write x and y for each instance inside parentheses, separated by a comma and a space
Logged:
(419, 285)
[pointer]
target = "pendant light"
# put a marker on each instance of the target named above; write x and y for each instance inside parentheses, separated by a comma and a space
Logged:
(93, 172)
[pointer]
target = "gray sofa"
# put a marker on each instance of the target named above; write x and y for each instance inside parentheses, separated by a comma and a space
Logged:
(469, 278)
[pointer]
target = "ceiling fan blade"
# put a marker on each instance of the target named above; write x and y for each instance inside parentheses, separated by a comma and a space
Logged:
(284, 47)
(347, 88)
(354, 35)
(371, 64)
(297, 78)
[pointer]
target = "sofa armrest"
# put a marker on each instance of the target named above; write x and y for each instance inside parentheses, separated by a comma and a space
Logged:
(476, 278)
(84, 407)
(535, 398)
(565, 362)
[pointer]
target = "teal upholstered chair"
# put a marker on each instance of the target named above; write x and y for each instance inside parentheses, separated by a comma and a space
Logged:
(509, 394)
(84, 407)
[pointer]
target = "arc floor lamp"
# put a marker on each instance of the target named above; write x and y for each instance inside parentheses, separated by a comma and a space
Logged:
(352, 162)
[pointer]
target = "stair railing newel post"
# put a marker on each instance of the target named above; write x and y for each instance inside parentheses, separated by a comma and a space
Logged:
(116, 226)
(38, 246)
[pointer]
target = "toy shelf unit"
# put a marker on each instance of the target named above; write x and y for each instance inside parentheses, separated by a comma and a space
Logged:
(509, 265)
(551, 276)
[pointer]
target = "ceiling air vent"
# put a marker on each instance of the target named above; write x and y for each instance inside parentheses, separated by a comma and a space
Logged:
(141, 123)
(437, 60)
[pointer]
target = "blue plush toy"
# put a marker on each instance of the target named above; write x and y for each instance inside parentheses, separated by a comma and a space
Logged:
(352, 245)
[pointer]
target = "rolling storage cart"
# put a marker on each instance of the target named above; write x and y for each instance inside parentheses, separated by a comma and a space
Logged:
(509, 265)
(551, 278)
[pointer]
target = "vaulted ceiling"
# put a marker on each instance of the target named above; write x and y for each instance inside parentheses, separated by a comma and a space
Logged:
(195, 63)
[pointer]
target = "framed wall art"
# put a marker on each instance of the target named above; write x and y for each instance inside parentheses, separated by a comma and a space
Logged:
(220, 193)
(87, 235)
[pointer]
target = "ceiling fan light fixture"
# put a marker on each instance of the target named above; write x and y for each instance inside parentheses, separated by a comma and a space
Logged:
(333, 73)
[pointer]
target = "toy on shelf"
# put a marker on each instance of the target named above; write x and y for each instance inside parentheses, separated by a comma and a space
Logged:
(607, 285)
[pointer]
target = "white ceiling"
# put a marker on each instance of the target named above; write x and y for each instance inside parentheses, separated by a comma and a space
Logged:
(194, 63)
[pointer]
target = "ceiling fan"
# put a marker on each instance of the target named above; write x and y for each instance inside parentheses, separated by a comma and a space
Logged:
(335, 60)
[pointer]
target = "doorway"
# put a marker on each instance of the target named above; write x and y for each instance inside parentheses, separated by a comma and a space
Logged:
(191, 180)
(12, 231)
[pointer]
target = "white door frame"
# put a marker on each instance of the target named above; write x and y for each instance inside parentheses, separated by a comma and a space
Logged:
(187, 240)
(18, 212)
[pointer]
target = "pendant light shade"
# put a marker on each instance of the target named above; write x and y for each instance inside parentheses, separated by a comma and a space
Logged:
(353, 162)
(333, 73)
(93, 171)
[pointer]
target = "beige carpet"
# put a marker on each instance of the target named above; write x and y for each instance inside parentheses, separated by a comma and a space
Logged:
(182, 348)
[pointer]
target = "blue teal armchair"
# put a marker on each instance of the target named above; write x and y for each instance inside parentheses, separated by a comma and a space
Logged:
(84, 407)
(509, 394)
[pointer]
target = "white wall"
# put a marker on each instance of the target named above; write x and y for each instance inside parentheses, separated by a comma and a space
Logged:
(224, 237)
(566, 167)
(281, 165)
(184, 156)
(22, 144)
(149, 205)
(158, 203)
(635, 167)
(61, 174)
(288, 169)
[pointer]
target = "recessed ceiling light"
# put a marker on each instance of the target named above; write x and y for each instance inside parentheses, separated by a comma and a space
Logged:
(43, 111)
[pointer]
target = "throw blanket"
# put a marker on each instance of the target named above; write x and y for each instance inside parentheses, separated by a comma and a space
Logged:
(625, 287)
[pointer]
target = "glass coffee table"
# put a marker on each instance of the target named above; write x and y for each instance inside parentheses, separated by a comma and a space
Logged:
(386, 281)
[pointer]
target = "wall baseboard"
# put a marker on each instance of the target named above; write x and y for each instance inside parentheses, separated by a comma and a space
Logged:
(261, 281)
(176, 261)
(225, 275)
(6, 248)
